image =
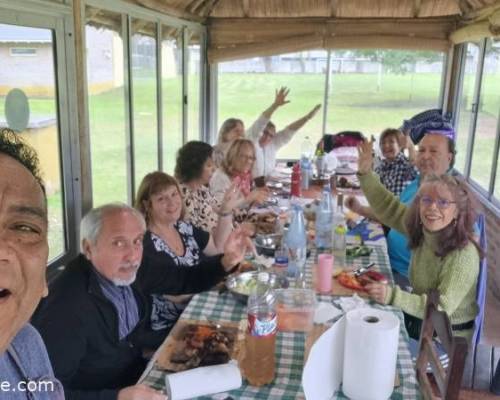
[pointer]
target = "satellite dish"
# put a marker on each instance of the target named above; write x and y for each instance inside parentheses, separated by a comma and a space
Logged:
(17, 110)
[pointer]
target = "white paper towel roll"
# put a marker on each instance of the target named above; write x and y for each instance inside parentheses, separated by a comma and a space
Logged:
(370, 354)
(203, 381)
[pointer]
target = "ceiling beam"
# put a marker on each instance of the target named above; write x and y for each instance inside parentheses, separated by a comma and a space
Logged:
(417, 4)
(194, 6)
(209, 6)
(333, 8)
(159, 6)
(246, 7)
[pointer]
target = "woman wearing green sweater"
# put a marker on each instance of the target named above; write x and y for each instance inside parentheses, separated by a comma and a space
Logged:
(439, 225)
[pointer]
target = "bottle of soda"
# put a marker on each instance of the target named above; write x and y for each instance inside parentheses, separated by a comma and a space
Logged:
(295, 186)
(324, 220)
(339, 238)
(260, 339)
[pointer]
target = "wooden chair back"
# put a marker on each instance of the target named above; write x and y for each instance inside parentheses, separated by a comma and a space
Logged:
(440, 383)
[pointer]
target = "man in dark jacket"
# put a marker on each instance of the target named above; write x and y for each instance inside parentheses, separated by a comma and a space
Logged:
(93, 318)
(95, 322)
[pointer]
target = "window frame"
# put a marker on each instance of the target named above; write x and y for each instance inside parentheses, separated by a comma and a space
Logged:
(213, 75)
(128, 12)
(59, 19)
(486, 193)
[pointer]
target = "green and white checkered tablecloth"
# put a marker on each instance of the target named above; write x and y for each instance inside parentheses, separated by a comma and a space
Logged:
(289, 345)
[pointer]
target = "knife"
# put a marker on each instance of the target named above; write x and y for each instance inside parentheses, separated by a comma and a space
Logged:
(363, 270)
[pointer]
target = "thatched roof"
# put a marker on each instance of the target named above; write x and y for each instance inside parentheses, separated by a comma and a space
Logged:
(203, 9)
(246, 28)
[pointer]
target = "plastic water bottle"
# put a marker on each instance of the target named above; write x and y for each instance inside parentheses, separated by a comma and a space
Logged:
(260, 339)
(307, 148)
(324, 220)
(305, 172)
(281, 252)
(339, 238)
(296, 242)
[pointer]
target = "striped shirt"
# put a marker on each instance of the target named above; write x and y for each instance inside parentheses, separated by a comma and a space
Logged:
(125, 304)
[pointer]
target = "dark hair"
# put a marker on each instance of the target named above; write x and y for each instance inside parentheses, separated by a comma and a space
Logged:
(13, 146)
(458, 233)
(151, 184)
(227, 126)
(269, 125)
(190, 160)
(389, 132)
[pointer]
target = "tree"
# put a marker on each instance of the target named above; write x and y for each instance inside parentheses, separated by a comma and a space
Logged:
(399, 61)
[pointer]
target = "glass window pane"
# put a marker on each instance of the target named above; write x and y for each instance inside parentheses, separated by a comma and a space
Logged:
(194, 76)
(172, 94)
(107, 118)
(371, 90)
(247, 87)
(487, 117)
(497, 181)
(144, 86)
(28, 105)
(465, 105)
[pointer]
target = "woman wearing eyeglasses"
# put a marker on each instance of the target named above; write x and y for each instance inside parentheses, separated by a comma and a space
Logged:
(439, 225)
(236, 169)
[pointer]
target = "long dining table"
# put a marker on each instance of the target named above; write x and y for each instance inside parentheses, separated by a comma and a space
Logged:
(290, 346)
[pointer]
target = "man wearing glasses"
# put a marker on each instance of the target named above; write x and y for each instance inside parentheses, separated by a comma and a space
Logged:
(436, 155)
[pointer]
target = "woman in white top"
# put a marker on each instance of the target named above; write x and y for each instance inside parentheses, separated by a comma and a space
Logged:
(234, 128)
(236, 169)
(268, 142)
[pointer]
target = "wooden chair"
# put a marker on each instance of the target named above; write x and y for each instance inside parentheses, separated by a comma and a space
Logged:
(440, 383)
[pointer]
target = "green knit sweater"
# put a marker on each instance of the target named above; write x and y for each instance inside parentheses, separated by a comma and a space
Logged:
(455, 276)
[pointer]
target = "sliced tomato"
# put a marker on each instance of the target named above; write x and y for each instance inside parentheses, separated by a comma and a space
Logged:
(349, 281)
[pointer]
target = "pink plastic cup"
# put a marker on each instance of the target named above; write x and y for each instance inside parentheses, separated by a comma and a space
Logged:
(324, 273)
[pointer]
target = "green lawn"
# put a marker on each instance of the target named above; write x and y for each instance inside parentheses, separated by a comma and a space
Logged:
(354, 103)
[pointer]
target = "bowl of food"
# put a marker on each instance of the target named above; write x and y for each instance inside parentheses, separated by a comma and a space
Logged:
(267, 244)
(241, 285)
(274, 185)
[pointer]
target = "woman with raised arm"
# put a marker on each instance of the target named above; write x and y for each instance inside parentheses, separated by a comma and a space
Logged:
(234, 128)
(439, 224)
(236, 170)
(180, 259)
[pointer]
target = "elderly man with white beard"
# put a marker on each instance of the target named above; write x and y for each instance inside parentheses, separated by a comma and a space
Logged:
(93, 320)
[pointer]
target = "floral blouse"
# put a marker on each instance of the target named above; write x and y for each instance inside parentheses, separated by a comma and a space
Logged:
(201, 207)
(165, 312)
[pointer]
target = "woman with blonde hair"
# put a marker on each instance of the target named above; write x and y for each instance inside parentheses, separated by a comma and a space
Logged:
(236, 169)
(179, 258)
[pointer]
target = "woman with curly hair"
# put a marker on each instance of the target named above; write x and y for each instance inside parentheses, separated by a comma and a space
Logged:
(193, 170)
(440, 227)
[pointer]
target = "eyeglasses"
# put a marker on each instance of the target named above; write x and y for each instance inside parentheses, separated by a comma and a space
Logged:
(442, 204)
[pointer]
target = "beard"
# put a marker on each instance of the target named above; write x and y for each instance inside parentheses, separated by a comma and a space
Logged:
(127, 281)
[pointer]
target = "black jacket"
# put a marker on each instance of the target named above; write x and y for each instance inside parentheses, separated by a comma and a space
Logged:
(80, 329)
